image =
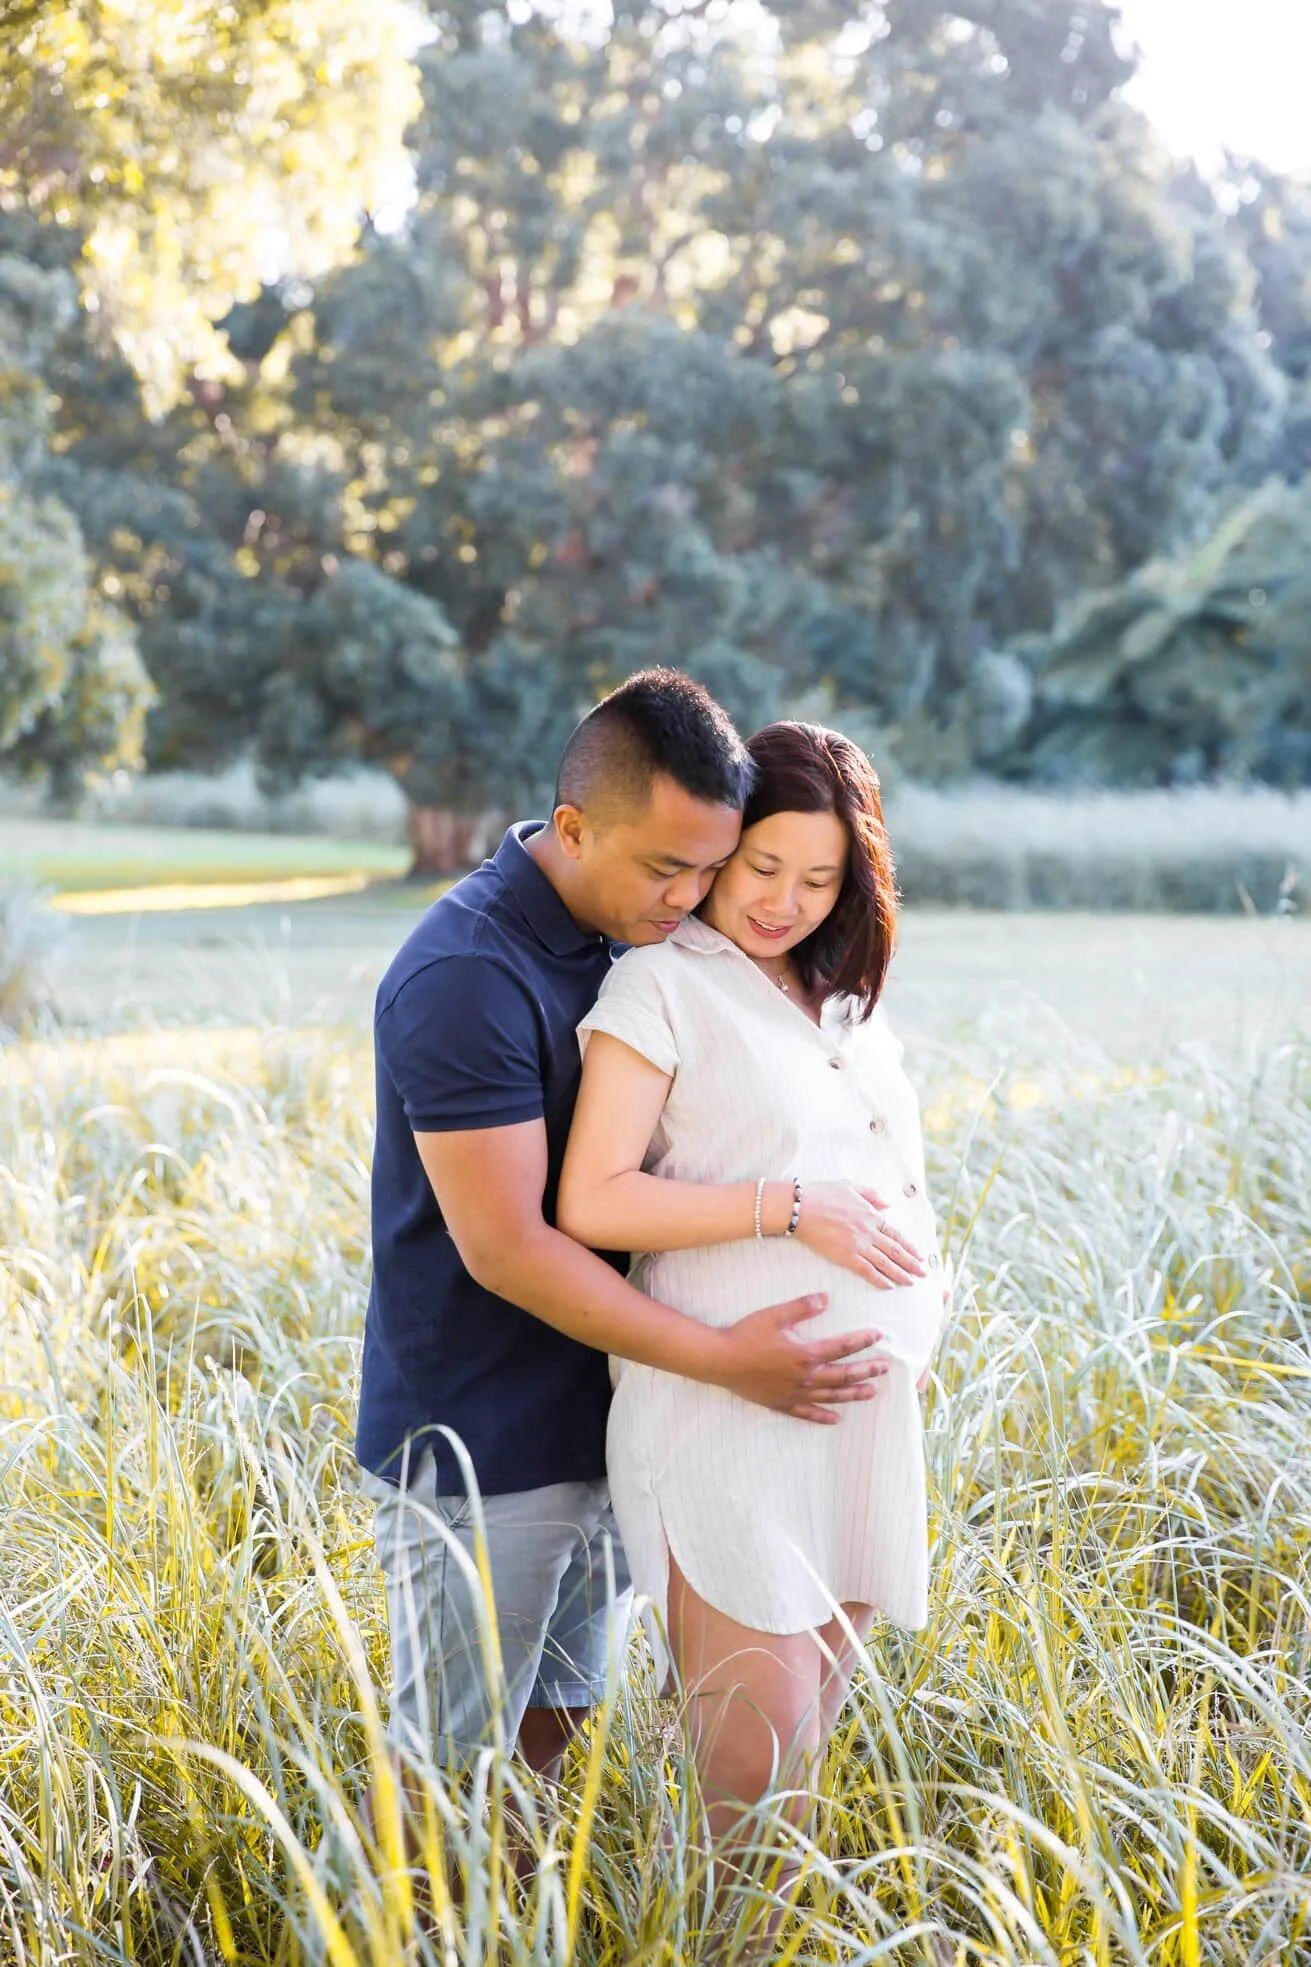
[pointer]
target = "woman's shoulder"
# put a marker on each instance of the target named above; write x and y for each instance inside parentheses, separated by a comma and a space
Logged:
(641, 960)
(671, 973)
(672, 959)
(643, 971)
(644, 956)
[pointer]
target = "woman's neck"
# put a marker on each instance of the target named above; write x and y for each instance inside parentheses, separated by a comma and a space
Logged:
(783, 973)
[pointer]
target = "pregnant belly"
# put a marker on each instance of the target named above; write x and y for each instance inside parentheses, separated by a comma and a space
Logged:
(721, 1284)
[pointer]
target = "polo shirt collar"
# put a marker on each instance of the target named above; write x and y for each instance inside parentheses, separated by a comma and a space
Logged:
(543, 909)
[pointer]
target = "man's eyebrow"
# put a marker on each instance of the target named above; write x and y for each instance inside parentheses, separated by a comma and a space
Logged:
(672, 861)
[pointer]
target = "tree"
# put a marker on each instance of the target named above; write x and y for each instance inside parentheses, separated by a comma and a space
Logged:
(187, 142)
(826, 360)
(72, 690)
(991, 357)
(1270, 219)
(1197, 667)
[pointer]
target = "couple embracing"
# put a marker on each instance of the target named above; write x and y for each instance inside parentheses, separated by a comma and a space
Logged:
(650, 1025)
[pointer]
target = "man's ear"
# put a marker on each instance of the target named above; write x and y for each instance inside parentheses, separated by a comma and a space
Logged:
(570, 830)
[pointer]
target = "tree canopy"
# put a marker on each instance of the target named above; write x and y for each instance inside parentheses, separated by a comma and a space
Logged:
(185, 141)
(833, 360)
(73, 692)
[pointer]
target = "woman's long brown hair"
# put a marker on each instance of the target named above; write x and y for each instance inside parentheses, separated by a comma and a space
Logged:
(803, 768)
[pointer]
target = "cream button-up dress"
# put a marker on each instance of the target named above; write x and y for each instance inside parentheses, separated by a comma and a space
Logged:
(773, 1521)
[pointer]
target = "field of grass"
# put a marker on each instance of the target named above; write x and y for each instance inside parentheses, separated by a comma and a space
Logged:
(1096, 1752)
(1217, 849)
(175, 926)
(74, 856)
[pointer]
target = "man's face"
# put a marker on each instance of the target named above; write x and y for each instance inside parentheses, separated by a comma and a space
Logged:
(640, 876)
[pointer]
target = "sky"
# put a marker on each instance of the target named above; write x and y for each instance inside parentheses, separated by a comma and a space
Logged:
(1220, 74)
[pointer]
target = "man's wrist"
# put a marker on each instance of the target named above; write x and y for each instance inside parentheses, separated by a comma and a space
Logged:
(708, 1355)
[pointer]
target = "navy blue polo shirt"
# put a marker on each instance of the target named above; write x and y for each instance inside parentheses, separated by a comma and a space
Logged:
(475, 1025)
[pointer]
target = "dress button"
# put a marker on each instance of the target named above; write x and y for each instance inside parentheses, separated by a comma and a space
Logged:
(910, 1188)
(933, 1263)
(877, 1124)
(836, 1064)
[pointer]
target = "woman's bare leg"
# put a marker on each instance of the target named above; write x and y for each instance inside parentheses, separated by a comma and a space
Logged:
(753, 1706)
(840, 1659)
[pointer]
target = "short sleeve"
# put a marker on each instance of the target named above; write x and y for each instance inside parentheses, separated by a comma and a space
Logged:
(633, 1007)
(460, 1042)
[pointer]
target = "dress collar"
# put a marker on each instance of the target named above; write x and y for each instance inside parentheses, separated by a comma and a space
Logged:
(543, 910)
(694, 934)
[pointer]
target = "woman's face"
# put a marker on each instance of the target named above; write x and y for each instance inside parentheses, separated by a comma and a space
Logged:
(783, 880)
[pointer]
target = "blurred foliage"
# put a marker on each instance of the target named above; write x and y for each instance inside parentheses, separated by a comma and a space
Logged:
(73, 693)
(831, 361)
(186, 141)
(1210, 652)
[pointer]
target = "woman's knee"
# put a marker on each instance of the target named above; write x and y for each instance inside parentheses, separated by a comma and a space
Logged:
(738, 1771)
(745, 1750)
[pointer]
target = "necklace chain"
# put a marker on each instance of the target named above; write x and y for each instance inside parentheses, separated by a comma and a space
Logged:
(780, 978)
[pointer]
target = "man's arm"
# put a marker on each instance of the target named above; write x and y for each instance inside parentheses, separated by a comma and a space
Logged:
(489, 1183)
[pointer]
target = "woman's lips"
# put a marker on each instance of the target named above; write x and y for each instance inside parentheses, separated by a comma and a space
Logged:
(770, 935)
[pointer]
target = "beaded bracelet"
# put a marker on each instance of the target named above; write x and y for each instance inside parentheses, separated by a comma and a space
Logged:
(791, 1229)
(760, 1194)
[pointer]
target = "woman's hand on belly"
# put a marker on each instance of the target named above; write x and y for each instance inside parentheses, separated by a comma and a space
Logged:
(846, 1225)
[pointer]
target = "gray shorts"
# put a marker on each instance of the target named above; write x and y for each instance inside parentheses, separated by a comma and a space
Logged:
(561, 1592)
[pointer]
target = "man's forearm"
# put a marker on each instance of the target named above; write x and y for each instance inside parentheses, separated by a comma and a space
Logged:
(567, 1286)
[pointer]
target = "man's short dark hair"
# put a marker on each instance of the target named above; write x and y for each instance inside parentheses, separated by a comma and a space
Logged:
(658, 722)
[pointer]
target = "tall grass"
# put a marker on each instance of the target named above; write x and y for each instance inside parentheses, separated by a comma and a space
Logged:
(1096, 1753)
(30, 935)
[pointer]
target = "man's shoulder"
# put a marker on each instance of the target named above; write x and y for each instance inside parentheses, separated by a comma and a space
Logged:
(472, 924)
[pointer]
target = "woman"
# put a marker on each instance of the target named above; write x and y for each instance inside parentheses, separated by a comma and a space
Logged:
(744, 1122)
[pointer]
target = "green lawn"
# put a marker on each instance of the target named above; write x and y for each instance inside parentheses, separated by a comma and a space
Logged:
(77, 856)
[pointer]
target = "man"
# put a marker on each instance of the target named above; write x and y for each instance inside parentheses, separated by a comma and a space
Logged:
(484, 1319)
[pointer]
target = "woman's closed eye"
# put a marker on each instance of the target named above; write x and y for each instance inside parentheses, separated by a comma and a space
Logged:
(768, 873)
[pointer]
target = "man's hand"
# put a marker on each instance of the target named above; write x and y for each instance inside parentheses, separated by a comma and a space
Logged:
(489, 1185)
(769, 1360)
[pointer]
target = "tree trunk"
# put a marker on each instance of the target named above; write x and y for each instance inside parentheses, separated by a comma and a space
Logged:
(443, 841)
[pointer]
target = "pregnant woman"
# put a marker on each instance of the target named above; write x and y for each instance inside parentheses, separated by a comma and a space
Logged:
(745, 1124)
